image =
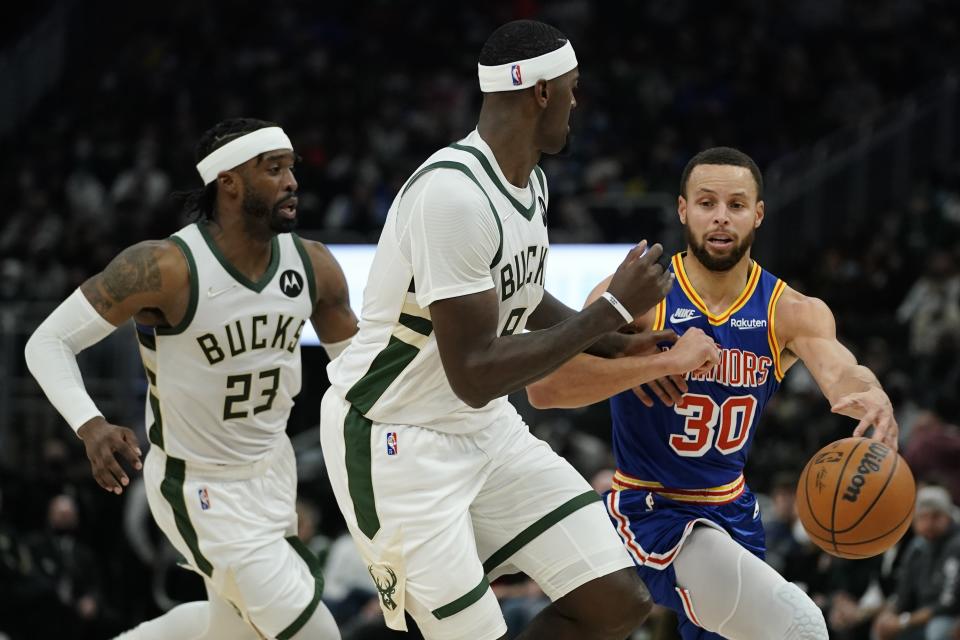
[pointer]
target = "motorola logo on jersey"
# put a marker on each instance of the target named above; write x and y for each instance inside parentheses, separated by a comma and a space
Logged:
(291, 283)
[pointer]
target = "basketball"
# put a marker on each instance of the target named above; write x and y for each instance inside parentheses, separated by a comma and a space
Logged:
(855, 498)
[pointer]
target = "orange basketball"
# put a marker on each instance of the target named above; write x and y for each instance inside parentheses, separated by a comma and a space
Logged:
(855, 498)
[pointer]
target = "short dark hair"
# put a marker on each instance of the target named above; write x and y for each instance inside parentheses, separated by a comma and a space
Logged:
(722, 155)
(519, 40)
(200, 204)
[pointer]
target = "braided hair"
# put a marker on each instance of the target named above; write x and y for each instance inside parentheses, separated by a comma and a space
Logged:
(200, 204)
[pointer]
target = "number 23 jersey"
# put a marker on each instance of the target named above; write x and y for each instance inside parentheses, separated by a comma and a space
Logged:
(222, 382)
(698, 447)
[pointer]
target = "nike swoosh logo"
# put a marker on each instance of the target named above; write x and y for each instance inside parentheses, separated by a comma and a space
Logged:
(213, 294)
(676, 320)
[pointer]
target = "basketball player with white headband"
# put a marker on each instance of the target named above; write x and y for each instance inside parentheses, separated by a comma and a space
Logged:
(441, 483)
(218, 309)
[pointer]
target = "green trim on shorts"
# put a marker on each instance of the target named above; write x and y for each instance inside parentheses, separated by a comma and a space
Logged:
(527, 535)
(463, 601)
(313, 564)
(155, 433)
(356, 437)
(172, 489)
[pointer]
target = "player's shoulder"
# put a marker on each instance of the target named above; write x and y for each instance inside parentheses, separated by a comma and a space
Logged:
(797, 313)
(321, 258)
(164, 257)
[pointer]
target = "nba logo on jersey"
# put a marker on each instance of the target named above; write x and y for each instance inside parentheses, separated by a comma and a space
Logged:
(204, 498)
(515, 75)
(392, 443)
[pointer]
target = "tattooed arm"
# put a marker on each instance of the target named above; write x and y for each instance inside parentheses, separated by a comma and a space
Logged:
(149, 281)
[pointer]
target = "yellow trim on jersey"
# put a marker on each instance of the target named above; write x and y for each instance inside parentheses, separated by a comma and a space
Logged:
(713, 495)
(697, 301)
(772, 330)
(660, 315)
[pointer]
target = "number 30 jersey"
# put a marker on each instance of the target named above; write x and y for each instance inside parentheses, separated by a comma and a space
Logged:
(696, 450)
(222, 382)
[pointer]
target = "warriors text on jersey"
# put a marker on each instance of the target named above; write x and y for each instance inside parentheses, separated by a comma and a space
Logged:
(697, 449)
(222, 382)
(456, 228)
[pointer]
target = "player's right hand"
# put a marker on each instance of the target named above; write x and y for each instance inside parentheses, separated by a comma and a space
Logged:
(695, 351)
(103, 441)
(640, 282)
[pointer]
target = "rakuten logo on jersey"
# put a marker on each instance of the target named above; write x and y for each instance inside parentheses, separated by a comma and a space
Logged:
(748, 323)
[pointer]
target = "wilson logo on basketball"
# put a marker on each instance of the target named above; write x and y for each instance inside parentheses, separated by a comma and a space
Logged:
(869, 463)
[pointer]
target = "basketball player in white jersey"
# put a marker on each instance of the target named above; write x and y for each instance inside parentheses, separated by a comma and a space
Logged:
(441, 483)
(219, 308)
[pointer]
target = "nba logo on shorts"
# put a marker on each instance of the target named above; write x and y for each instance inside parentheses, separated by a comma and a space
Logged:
(515, 75)
(392, 443)
(204, 498)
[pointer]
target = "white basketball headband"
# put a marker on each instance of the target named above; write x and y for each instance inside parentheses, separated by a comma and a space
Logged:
(523, 74)
(238, 151)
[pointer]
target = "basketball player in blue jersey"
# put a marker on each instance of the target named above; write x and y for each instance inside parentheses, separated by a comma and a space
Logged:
(679, 500)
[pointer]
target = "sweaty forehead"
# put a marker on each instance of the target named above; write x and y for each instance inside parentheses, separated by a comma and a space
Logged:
(723, 179)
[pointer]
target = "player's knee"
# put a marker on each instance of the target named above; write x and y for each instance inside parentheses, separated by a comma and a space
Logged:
(615, 604)
(808, 622)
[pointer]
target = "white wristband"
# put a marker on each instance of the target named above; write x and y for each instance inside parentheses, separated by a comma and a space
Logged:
(609, 297)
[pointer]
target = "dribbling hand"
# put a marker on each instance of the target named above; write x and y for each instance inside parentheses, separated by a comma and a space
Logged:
(103, 441)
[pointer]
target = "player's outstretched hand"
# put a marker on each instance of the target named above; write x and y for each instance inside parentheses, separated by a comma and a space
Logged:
(640, 282)
(103, 441)
(873, 409)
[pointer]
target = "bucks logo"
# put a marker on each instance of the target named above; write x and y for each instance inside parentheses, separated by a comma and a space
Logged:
(386, 587)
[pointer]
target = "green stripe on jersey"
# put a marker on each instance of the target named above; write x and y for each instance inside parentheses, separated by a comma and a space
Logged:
(526, 212)
(384, 369)
(233, 271)
(462, 168)
(421, 325)
(194, 292)
(307, 268)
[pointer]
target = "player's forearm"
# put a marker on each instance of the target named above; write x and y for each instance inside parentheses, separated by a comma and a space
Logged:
(852, 378)
(510, 363)
(51, 351)
(587, 379)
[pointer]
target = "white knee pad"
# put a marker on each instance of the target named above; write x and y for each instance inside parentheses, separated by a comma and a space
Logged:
(807, 620)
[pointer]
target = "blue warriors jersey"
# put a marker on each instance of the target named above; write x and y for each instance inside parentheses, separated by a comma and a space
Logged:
(695, 451)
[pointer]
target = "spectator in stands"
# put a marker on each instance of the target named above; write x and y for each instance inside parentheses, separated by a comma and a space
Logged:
(927, 602)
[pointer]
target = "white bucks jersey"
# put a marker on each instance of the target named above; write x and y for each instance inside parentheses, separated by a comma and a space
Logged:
(222, 382)
(456, 228)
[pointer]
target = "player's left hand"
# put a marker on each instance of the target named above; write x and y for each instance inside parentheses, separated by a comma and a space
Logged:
(668, 389)
(872, 407)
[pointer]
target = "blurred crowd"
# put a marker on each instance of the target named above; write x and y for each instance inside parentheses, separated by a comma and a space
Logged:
(367, 91)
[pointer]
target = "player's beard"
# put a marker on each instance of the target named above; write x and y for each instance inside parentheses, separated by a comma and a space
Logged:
(722, 262)
(258, 209)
